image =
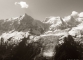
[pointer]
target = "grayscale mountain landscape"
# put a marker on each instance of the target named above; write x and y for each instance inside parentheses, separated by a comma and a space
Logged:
(41, 30)
(16, 34)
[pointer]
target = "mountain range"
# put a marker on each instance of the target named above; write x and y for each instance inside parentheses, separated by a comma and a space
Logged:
(51, 25)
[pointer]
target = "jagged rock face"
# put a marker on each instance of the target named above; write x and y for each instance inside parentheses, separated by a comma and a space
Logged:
(56, 23)
(27, 23)
(73, 23)
(62, 23)
(22, 23)
(18, 24)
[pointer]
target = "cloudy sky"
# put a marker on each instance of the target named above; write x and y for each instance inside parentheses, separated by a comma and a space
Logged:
(39, 9)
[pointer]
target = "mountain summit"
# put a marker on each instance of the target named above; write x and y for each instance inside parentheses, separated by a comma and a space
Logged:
(22, 23)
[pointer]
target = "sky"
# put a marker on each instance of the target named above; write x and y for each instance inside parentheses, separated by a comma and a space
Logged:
(39, 9)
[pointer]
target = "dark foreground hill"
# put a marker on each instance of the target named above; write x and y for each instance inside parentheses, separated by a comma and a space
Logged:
(27, 49)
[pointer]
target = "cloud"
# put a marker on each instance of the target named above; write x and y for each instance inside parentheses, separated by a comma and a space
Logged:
(22, 4)
(81, 14)
(74, 14)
